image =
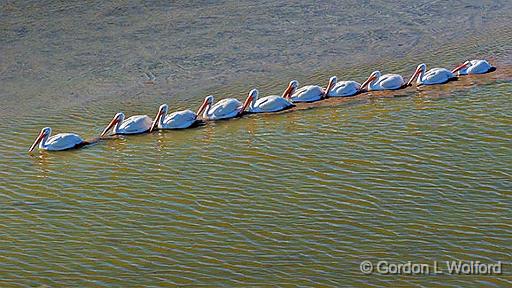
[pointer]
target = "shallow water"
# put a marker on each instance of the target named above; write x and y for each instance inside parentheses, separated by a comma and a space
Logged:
(295, 198)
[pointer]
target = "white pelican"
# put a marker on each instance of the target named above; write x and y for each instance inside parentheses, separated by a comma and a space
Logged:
(133, 125)
(59, 142)
(474, 67)
(176, 120)
(224, 109)
(377, 81)
(272, 103)
(309, 93)
(343, 88)
(432, 76)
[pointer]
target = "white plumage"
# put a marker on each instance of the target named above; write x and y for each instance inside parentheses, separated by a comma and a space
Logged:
(475, 67)
(58, 142)
(343, 88)
(133, 125)
(176, 120)
(432, 76)
(272, 103)
(224, 109)
(377, 81)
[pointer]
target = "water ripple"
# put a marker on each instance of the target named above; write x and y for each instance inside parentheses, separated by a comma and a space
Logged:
(295, 198)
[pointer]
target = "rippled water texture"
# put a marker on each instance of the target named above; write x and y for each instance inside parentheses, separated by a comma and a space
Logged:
(293, 199)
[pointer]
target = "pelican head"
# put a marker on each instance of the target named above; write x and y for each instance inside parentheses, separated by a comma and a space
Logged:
(330, 85)
(118, 119)
(251, 99)
(46, 131)
(41, 138)
(253, 95)
(420, 69)
(162, 111)
(421, 66)
(208, 101)
(292, 86)
(374, 76)
(461, 67)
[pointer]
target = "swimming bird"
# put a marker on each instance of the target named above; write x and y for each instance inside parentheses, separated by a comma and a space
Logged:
(309, 93)
(474, 67)
(377, 81)
(59, 142)
(133, 125)
(267, 104)
(224, 109)
(432, 76)
(176, 120)
(343, 88)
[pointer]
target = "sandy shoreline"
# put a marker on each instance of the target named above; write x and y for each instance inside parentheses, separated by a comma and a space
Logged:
(62, 55)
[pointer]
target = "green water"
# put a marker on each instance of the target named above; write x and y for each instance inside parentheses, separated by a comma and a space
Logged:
(293, 199)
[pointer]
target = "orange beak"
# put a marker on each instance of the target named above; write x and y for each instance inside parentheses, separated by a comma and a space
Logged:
(328, 88)
(36, 142)
(159, 114)
(416, 73)
(461, 66)
(202, 108)
(370, 79)
(246, 104)
(287, 92)
(110, 125)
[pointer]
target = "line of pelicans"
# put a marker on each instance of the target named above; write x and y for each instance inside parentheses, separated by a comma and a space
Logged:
(231, 108)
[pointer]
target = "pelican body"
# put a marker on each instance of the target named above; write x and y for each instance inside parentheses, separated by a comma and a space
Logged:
(432, 76)
(377, 82)
(176, 120)
(133, 125)
(268, 104)
(59, 142)
(343, 88)
(224, 109)
(309, 93)
(474, 67)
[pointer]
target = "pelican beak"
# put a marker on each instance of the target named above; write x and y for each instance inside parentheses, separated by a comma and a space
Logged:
(416, 73)
(246, 104)
(201, 108)
(370, 79)
(155, 122)
(287, 92)
(110, 125)
(36, 142)
(461, 66)
(327, 89)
